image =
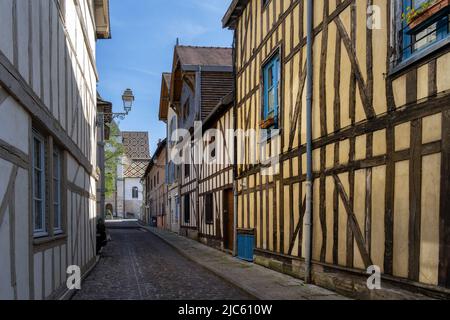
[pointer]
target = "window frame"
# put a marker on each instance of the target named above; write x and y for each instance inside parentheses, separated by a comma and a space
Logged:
(208, 205)
(39, 233)
(402, 39)
(187, 170)
(57, 180)
(187, 208)
(274, 59)
(135, 193)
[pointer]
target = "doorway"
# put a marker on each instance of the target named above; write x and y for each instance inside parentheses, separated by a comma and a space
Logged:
(228, 219)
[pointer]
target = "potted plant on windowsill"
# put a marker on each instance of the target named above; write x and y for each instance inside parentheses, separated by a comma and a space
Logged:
(265, 124)
(415, 17)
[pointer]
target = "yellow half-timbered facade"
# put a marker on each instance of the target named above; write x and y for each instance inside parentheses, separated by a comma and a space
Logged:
(381, 141)
(216, 198)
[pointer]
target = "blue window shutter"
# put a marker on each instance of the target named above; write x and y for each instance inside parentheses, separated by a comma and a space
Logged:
(276, 85)
(442, 28)
(266, 92)
(407, 49)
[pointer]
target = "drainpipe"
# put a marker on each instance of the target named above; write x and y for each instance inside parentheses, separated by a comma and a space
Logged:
(309, 173)
(101, 146)
(235, 172)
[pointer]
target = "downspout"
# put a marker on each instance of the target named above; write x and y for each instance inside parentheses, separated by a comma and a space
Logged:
(235, 172)
(195, 165)
(309, 173)
(101, 146)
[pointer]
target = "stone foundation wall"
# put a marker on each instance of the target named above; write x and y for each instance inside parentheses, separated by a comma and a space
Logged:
(352, 284)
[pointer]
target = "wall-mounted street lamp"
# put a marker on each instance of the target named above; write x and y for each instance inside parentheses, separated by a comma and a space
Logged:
(128, 99)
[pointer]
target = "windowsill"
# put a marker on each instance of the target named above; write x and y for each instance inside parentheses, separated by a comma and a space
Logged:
(46, 239)
(422, 54)
(40, 235)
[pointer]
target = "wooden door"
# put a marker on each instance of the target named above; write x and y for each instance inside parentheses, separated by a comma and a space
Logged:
(228, 219)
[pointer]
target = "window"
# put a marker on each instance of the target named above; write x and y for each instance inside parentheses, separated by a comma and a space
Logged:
(39, 222)
(187, 170)
(57, 223)
(209, 217)
(135, 193)
(187, 209)
(428, 27)
(177, 209)
(47, 187)
(271, 76)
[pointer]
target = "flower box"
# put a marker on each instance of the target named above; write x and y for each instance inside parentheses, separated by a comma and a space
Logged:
(267, 123)
(415, 18)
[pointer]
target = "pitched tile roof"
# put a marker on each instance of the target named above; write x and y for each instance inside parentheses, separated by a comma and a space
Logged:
(136, 145)
(205, 56)
(215, 85)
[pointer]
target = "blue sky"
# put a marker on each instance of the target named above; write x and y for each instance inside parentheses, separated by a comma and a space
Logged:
(144, 33)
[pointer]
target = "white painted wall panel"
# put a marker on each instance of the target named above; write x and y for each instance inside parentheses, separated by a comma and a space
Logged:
(6, 291)
(62, 77)
(63, 264)
(23, 37)
(48, 272)
(22, 235)
(6, 34)
(35, 47)
(45, 57)
(38, 271)
(5, 171)
(54, 58)
(14, 127)
(57, 266)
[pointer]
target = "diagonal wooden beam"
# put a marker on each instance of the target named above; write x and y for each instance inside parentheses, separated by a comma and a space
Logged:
(297, 109)
(3, 95)
(367, 105)
(353, 222)
(297, 228)
(9, 192)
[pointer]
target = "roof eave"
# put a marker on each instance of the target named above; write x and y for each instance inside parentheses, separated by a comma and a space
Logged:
(102, 19)
(233, 13)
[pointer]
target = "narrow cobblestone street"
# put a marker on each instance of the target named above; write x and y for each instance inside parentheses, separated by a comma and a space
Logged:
(136, 265)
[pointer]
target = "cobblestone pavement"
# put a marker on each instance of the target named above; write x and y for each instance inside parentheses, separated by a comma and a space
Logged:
(137, 265)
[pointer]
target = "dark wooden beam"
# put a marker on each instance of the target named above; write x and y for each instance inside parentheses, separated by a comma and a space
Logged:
(356, 231)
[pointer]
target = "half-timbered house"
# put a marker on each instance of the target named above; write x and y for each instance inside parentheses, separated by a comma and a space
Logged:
(167, 114)
(216, 197)
(381, 140)
(155, 189)
(48, 175)
(201, 77)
